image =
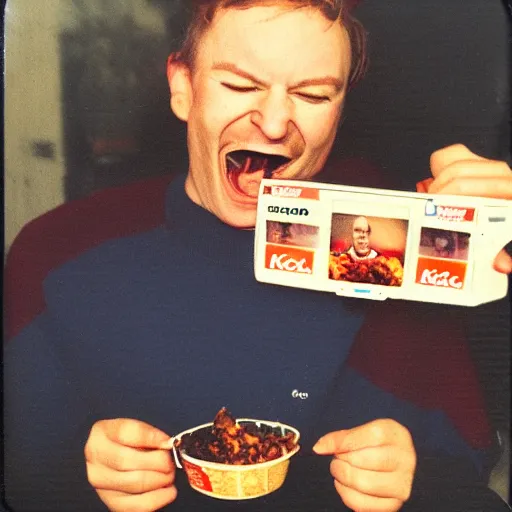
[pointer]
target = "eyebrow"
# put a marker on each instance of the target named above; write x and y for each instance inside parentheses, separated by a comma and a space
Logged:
(324, 80)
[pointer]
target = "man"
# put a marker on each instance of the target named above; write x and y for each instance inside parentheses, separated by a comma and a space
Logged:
(360, 248)
(147, 336)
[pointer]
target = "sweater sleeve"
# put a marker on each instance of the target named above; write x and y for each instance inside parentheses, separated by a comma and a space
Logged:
(46, 424)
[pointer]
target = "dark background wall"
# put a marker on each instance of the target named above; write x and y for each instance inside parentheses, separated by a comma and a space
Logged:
(439, 74)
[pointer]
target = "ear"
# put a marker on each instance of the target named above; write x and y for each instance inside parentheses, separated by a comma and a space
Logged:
(180, 85)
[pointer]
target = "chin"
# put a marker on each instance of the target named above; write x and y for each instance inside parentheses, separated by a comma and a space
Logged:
(239, 220)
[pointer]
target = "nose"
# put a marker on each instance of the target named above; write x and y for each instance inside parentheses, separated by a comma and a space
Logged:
(274, 114)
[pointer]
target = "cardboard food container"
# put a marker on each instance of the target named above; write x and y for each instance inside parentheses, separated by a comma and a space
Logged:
(381, 244)
(236, 482)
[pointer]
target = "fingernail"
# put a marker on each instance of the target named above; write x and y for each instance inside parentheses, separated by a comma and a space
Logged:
(318, 446)
(167, 445)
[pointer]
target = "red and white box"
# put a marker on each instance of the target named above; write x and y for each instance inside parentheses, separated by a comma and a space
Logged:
(378, 244)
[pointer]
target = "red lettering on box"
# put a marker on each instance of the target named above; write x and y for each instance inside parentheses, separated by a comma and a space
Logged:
(289, 259)
(441, 273)
(197, 477)
(456, 214)
(291, 192)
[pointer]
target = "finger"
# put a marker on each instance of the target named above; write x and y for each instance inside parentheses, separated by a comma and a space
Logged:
(376, 433)
(382, 458)
(423, 186)
(503, 263)
(442, 158)
(132, 482)
(479, 172)
(374, 483)
(359, 502)
(499, 188)
(147, 502)
(124, 458)
(471, 169)
(135, 433)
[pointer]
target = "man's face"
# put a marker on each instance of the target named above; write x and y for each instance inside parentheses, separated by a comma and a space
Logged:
(361, 236)
(265, 100)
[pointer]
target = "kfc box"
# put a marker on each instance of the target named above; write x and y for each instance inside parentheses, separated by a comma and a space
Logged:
(379, 244)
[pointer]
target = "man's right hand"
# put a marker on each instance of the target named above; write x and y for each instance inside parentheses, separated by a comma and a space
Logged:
(129, 465)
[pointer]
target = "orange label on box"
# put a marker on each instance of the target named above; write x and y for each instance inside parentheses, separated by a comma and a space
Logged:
(197, 477)
(441, 273)
(289, 259)
(292, 192)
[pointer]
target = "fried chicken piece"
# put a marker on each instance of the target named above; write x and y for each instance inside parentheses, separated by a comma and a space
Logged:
(231, 443)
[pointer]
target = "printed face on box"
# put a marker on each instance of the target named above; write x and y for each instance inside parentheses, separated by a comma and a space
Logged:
(361, 239)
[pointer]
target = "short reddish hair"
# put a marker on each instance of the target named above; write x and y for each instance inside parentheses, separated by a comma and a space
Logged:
(203, 12)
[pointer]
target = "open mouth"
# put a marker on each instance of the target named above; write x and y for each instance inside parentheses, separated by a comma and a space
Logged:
(246, 169)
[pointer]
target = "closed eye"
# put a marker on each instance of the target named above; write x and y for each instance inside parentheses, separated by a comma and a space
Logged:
(239, 88)
(312, 98)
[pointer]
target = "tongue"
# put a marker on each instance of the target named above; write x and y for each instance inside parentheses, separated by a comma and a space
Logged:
(246, 183)
(246, 174)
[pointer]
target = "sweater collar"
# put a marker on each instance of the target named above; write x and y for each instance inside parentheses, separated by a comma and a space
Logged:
(203, 232)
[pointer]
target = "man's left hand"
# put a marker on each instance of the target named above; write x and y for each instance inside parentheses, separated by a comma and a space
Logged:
(373, 465)
(458, 171)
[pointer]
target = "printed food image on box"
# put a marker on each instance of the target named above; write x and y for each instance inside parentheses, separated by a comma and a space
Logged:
(367, 249)
(289, 233)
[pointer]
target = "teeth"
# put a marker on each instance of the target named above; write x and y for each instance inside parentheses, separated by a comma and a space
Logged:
(251, 161)
(233, 162)
(242, 167)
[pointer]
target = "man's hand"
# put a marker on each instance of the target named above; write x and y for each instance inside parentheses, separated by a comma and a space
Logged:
(373, 465)
(458, 171)
(129, 465)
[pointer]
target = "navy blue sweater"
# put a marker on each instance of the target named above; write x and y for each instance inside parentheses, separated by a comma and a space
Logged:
(170, 325)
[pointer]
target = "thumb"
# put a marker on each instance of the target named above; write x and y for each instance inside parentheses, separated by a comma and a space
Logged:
(503, 262)
(330, 443)
(137, 434)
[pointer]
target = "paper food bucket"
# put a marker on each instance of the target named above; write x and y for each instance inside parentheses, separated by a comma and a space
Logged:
(236, 482)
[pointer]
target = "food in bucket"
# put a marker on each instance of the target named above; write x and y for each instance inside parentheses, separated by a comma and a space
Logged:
(236, 459)
(228, 442)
